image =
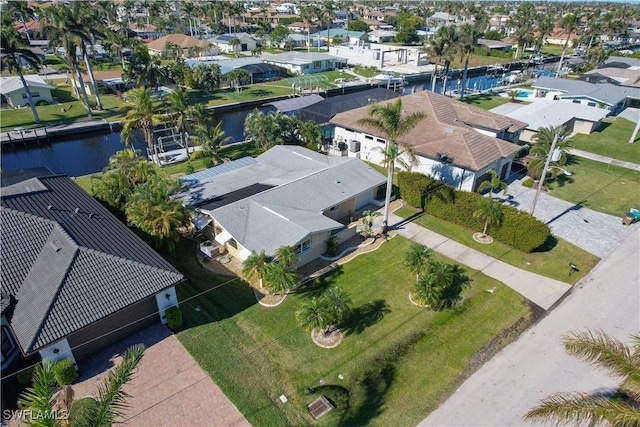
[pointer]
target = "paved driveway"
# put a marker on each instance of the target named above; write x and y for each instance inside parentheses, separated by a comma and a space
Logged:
(169, 388)
(592, 231)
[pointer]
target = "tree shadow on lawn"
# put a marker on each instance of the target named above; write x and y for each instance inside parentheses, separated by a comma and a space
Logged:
(317, 286)
(365, 316)
(374, 386)
(548, 245)
(260, 92)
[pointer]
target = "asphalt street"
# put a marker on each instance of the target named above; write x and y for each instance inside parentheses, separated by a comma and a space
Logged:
(536, 365)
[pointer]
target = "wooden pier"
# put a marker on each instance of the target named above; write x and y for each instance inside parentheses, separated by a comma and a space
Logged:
(20, 136)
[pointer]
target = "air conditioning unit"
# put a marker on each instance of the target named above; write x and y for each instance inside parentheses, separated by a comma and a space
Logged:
(354, 146)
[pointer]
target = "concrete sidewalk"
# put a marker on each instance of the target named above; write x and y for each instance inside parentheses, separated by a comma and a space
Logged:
(538, 289)
(603, 159)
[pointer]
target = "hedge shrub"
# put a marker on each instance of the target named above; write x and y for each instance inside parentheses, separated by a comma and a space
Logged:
(24, 377)
(528, 182)
(174, 317)
(65, 372)
(518, 229)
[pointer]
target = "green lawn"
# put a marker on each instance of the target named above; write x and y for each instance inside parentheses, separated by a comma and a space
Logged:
(485, 101)
(366, 72)
(551, 261)
(611, 140)
(397, 361)
(598, 186)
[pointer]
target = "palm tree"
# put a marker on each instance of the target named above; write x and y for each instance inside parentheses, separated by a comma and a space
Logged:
(391, 122)
(179, 112)
(435, 49)
(542, 142)
(513, 94)
(14, 48)
(18, 10)
(605, 352)
(287, 255)
(570, 23)
(310, 134)
(87, 27)
(235, 43)
(468, 39)
(143, 114)
(489, 212)
(238, 77)
(60, 23)
(449, 40)
(327, 15)
(313, 314)
(309, 13)
(118, 42)
(110, 403)
(210, 139)
(278, 277)
(254, 266)
(338, 305)
(417, 259)
(427, 291)
(494, 183)
(152, 209)
(544, 24)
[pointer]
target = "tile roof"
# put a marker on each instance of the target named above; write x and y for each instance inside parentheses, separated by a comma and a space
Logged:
(69, 262)
(181, 40)
(447, 129)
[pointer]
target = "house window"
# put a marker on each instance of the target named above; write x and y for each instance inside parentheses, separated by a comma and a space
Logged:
(303, 247)
(233, 243)
(8, 345)
(305, 66)
(334, 208)
(33, 95)
(329, 64)
(317, 64)
(381, 141)
(368, 137)
(576, 101)
(591, 104)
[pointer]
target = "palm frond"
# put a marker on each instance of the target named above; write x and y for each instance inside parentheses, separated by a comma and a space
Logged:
(112, 399)
(605, 352)
(583, 409)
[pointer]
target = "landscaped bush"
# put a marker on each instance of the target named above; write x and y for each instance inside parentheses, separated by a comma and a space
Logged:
(528, 182)
(189, 169)
(65, 372)
(80, 410)
(174, 317)
(42, 102)
(415, 188)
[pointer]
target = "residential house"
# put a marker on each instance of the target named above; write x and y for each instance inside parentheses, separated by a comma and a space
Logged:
(13, 92)
(546, 112)
(74, 277)
(287, 196)
(617, 76)
(495, 45)
(223, 42)
(611, 97)
(257, 69)
(184, 42)
(146, 31)
(299, 27)
(350, 37)
(382, 36)
(455, 142)
(108, 81)
(304, 62)
(558, 36)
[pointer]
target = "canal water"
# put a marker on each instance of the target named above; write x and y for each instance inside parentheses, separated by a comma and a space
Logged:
(90, 153)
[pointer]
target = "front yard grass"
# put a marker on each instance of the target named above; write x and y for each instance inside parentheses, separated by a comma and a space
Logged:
(486, 101)
(397, 361)
(598, 186)
(611, 140)
(551, 261)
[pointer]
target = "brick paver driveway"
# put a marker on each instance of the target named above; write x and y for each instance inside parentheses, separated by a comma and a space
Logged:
(169, 388)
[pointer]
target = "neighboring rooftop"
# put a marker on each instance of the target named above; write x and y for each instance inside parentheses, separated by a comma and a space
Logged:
(68, 261)
(324, 110)
(608, 93)
(448, 128)
(13, 83)
(547, 112)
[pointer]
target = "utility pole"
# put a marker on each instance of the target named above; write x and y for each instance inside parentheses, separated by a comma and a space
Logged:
(544, 173)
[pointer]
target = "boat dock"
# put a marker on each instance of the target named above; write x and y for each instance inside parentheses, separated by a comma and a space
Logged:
(20, 136)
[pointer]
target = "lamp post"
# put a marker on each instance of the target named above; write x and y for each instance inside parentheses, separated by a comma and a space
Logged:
(544, 173)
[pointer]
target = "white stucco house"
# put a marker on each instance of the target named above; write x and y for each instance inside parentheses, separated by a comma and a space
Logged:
(455, 142)
(304, 62)
(287, 196)
(14, 93)
(223, 42)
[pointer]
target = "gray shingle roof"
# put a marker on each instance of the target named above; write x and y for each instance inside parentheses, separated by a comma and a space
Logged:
(607, 93)
(69, 262)
(306, 184)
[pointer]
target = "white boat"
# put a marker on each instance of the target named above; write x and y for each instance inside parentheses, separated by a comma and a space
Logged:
(387, 78)
(165, 158)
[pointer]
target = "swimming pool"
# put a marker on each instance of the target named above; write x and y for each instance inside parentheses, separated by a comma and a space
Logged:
(525, 93)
